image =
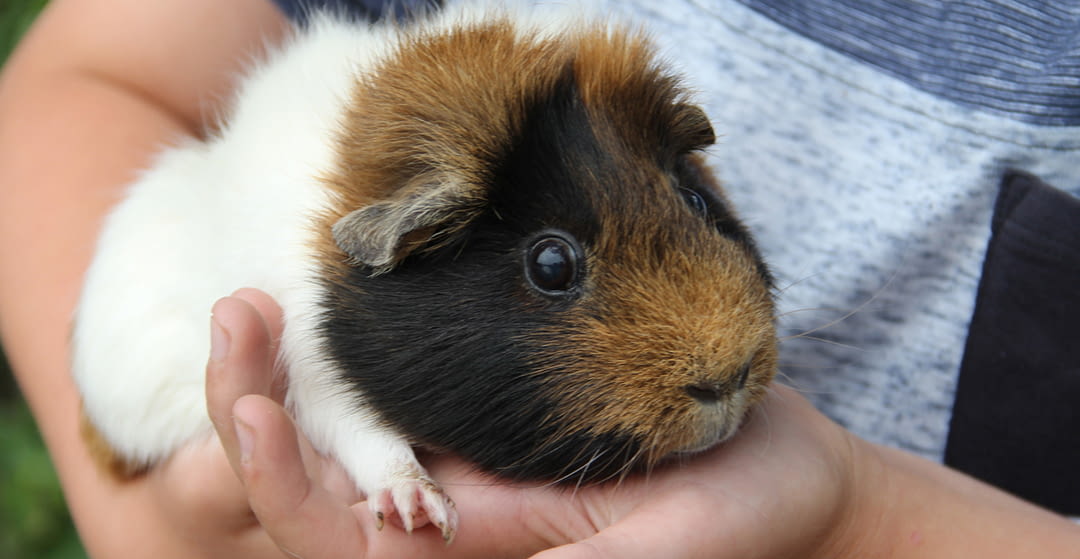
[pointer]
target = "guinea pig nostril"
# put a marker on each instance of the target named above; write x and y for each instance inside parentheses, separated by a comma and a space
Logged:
(705, 392)
(744, 374)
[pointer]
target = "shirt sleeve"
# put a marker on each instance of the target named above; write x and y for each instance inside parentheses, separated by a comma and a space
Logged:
(1017, 407)
(371, 10)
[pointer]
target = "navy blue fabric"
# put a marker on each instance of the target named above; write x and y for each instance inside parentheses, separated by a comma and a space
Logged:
(1016, 58)
(1017, 410)
(372, 10)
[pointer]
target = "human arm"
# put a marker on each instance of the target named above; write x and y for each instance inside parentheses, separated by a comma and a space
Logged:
(93, 91)
(73, 127)
(791, 484)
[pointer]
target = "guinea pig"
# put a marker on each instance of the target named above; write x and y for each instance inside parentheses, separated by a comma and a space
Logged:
(491, 233)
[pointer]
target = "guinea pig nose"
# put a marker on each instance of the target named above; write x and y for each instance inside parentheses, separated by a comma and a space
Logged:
(705, 392)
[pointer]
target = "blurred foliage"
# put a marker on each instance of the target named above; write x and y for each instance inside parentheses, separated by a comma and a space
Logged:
(15, 17)
(34, 522)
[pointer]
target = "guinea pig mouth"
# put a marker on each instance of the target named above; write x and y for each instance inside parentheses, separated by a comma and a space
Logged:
(714, 423)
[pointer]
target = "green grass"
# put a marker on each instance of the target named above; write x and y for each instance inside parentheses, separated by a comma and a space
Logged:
(34, 521)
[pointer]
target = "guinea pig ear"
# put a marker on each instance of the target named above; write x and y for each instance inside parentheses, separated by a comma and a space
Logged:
(692, 127)
(384, 233)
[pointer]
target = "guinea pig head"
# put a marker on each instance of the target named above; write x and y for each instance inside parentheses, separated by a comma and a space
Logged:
(528, 262)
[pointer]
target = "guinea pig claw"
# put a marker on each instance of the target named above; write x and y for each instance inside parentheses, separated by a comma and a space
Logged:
(440, 510)
(414, 501)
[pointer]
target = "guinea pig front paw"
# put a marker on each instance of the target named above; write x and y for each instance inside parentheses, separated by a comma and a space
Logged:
(411, 499)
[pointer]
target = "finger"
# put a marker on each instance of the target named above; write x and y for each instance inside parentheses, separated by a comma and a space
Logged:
(250, 369)
(267, 307)
(271, 315)
(499, 518)
(306, 520)
(605, 545)
(298, 514)
(608, 543)
(662, 529)
(241, 362)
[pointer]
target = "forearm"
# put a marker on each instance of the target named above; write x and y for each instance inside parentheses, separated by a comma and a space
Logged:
(67, 143)
(911, 507)
(73, 132)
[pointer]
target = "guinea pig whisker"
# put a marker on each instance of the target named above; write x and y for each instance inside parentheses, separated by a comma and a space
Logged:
(791, 383)
(585, 470)
(579, 472)
(582, 471)
(825, 326)
(626, 464)
(631, 464)
(533, 456)
(773, 392)
(460, 250)
(822, 340)
(848, 314)
(808, 309)
(829, 324)
(764, 414)
(793, 365)
(553, 448)
(782, 290)
(628, 468)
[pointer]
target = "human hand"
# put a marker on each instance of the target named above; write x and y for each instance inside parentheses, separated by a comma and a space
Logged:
(199, 498)
(782, 486)
(304, 501)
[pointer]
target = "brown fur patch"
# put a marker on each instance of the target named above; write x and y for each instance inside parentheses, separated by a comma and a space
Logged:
(103, 454)
(434, 116)
(439, 112)
(652, 338)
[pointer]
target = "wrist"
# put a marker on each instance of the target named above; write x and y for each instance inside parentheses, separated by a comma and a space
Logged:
(904, 506)
(861, 519)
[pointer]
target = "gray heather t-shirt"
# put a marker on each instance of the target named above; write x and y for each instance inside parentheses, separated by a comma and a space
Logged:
(870, 190)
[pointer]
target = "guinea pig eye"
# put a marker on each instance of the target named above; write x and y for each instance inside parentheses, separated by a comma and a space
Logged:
(695, 201)
(551, 264)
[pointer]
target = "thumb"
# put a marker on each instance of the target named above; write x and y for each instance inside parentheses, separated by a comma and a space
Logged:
(609, 544)
(663, 530)
(298, 514)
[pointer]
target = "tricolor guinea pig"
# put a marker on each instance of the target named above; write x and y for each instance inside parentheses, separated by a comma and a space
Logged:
(492, 233)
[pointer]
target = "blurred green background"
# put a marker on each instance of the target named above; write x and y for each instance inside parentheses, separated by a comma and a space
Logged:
(34, 522)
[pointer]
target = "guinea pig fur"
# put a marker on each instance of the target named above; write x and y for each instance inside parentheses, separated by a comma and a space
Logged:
(491, 233)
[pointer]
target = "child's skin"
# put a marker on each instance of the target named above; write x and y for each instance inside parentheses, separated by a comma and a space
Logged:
(98, 86)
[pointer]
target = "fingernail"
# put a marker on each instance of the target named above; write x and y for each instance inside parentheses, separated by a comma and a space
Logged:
(245, 437)
(219, 341)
